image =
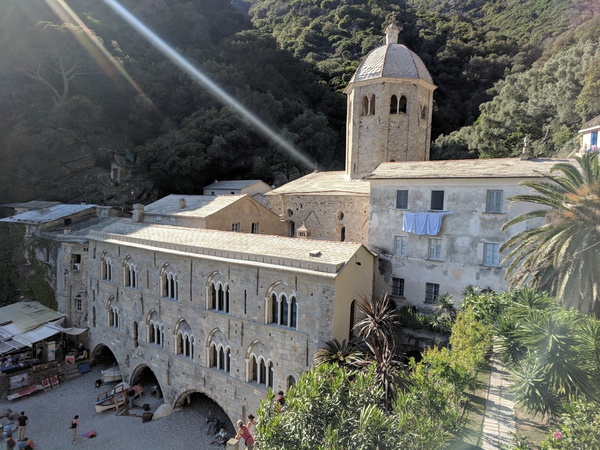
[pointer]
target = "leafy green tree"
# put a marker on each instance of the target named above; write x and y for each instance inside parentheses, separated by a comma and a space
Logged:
(562, 256)
(327, 407)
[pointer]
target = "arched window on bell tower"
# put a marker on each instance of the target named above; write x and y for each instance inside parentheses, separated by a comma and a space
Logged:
(365, 106)
(394, 105)
(371, 105)
(402, 104)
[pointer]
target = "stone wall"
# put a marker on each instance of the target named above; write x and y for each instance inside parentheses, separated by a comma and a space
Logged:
(325, 215)
(245, 329)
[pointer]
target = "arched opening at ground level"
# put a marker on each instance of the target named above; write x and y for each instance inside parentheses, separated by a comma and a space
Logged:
(103, 357)
(216, 417)
(145, 377)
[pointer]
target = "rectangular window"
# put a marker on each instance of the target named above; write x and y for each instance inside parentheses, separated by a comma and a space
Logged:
(494, 201)
(435, 249)
(402, 199)
(432, 290)
(437, 200)
(75, 261)
(594, 138)
(255, 228)
(235, 227)
(491, 256)
(398, 287)
(400, 245)
(78, 304)
(158, 218)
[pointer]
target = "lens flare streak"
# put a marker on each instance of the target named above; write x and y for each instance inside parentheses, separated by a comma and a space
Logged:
(206, 82)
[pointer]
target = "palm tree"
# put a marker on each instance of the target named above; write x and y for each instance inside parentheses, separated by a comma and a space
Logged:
(378, 330)
(562, 256)
(444, 304)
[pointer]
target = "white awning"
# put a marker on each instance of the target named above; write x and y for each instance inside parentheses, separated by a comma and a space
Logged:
(9, 346)
(10, 329)
(39, 334)
(73, 331)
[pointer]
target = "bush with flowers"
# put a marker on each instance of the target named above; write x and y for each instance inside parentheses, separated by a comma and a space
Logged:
(578, 429)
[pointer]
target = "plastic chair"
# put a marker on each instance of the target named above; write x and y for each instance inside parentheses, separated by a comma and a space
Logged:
(46, 384)
(54, 381)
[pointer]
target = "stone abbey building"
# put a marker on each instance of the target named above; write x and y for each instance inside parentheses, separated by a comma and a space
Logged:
(225, 296)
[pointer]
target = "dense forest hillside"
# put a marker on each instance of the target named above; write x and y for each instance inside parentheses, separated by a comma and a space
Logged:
(80, 87)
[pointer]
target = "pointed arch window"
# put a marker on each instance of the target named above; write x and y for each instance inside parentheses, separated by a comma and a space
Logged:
(130, 274)
(184, 342)
(113, 314)
(283, 309)
(169, 285)
(402, 104)
(398, 104)
(105, 267)
(218, 294)
(219, 353)
(155, 329)
(423, 112)
(261, 371)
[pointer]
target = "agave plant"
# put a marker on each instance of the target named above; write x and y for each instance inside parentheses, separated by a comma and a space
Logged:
(344, 353)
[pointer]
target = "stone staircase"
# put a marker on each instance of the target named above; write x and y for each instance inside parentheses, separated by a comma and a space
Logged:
(70, 371)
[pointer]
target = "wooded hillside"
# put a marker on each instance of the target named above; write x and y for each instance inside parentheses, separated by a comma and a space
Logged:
(79, 86)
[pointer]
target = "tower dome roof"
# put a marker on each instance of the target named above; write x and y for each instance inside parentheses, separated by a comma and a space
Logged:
(391, 60)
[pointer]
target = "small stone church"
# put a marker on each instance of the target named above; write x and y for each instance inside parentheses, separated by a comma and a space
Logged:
(229, 297)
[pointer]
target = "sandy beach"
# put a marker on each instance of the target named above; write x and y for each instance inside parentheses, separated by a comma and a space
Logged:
(50, 413)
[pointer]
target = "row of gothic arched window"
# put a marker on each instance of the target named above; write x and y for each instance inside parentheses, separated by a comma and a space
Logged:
(282, 307)
(259, 368)
(398, 105)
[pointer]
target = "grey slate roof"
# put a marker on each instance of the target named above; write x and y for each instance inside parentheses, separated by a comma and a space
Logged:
(195, 205)
(45, 215)
(266, 249)
(323, 183)
(466, 168)
(391, 61)
(232, 184)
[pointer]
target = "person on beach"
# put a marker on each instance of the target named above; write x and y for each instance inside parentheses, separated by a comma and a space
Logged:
(22, 421)
(10, 443)
(74, 423)
(212, 423)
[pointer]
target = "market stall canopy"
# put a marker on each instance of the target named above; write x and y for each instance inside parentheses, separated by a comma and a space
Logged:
(23, 324)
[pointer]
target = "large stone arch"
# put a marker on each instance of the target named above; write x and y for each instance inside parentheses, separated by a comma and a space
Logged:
(184, 394)
(100, 354)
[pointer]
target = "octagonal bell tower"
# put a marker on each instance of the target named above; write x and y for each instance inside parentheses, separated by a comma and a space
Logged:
(390, 99)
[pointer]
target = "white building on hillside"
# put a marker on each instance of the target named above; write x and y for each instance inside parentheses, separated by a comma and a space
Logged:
(437, 225)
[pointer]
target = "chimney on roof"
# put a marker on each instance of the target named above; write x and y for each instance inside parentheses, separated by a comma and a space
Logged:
(138, 213)
(182, 203)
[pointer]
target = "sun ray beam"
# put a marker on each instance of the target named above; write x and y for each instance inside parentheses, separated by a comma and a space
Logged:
(93, 45)
(206, 82)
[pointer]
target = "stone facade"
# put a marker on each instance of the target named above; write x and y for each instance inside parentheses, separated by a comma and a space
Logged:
(414, 267)
(327, 205)
(388, 136)
(125, 272)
